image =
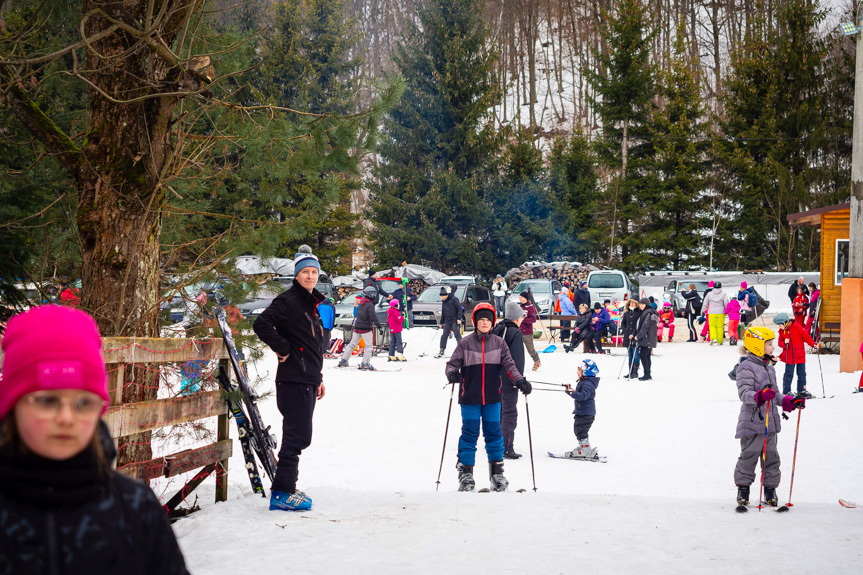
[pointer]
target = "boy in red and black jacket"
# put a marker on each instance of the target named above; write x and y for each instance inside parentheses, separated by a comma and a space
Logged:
(479, 363)
(792, 336)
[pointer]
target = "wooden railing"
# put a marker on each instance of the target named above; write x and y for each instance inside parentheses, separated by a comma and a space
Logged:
(134, 418)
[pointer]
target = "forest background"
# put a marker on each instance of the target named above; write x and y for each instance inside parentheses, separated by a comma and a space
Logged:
(161, 139)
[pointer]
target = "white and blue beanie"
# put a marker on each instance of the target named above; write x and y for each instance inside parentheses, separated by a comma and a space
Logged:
(305, 259)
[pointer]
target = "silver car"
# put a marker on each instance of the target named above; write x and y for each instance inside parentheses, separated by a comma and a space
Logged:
(544, 293)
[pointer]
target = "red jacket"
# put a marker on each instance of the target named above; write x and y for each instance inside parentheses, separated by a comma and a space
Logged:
(800, 305)
(794, 352)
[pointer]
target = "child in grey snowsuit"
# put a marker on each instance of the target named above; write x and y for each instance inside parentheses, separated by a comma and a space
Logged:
(365, 322)
(757, 389)
(584, 395)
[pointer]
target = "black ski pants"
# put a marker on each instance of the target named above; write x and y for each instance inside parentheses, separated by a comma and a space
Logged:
(581, 426)
(690, 322)
(296, 403)
(450, 326)
(508, 415)
(644, 354)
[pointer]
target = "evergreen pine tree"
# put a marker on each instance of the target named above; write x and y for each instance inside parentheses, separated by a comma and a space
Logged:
(624, 86)
(440, 145)
(575, 185)
(670, 235)
(773, 109)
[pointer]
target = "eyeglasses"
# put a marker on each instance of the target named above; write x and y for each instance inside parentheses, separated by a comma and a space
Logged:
(48, 405)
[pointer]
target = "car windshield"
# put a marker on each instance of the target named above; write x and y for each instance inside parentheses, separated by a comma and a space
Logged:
(538, 287)
(432, 294)
(605, 281)
(389, 286)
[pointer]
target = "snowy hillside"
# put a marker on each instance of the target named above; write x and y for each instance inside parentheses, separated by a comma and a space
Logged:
(664, 502)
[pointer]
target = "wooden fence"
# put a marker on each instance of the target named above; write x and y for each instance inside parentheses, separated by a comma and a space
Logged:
(122, 354)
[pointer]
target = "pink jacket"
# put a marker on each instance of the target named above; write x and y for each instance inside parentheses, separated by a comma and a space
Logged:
(394, 317)
(732, 310)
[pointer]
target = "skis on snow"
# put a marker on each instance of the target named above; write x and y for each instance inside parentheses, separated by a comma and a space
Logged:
(595, 459)
(261, 440)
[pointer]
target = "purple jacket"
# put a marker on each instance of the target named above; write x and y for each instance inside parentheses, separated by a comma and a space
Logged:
(482, 361)
(530, 319)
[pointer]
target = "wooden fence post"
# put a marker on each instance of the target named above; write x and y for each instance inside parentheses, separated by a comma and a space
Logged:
(223, 431)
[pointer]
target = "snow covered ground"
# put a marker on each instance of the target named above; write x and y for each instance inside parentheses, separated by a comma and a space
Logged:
(664, 502)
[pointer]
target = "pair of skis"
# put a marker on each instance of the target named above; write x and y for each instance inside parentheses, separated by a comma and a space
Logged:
(255, 437)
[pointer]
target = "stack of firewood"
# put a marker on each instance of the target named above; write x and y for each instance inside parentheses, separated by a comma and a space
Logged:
(564, 272)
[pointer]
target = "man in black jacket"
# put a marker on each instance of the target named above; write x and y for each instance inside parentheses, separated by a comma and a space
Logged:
(510, 330)
(581, 296)
(450, 317)
(792, 289)
(292, 328)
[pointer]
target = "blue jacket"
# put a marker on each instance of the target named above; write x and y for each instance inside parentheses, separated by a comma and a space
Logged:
(584, 394)
(327, 312)
(566, 307)
(603, 319)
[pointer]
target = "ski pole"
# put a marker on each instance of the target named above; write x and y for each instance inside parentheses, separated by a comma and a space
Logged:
(425, 351)
(763, 454)
(551, 390)
(823, 393)
(794, 461)
(547, 383)
(530, 443)
(445, 431)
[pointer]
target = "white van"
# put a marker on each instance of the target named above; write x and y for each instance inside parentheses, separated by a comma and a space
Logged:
(609, 284)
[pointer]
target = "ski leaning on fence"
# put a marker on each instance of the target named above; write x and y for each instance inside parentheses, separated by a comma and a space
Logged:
(263, 442)
(244, 430)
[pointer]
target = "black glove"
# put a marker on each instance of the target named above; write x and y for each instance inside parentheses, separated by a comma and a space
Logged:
(452, 376)
(524, 386)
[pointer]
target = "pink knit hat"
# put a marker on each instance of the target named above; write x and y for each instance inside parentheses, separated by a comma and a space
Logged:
(51, 347)
(710, 283)
(743, 285)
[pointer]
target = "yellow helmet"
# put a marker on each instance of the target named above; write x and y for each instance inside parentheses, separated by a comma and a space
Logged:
(755, 337)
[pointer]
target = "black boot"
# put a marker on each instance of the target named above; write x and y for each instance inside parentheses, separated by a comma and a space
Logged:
(465, 477)
(511, 454)
(495, 474)
(770, 496)
(742, 495)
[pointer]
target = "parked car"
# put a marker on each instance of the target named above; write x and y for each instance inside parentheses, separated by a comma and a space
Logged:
(467, 280)
(544, 293)
(427, 307)
(610, 284)
(672, 292)
(345, 310)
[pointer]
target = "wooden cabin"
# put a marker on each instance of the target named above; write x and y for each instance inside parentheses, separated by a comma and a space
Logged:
(835, 222)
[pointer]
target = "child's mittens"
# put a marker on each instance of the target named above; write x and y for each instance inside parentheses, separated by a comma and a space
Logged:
(766, 395)
(452, 376)
(790, 403)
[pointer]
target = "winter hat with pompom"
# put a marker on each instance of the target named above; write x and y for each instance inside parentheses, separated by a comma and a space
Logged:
(51, 347)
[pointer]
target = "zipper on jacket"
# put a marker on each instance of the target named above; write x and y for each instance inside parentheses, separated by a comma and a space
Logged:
(483, 370)
(311, 323)
(53, 567)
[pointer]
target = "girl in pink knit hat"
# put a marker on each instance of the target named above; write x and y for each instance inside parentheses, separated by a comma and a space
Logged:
(72, 513)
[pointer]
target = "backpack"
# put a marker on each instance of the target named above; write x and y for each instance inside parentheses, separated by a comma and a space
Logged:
(752, 299)
(696, 304)
(733, 373)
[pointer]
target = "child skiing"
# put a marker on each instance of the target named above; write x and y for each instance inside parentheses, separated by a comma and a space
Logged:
(791, 339)
(366, 320)
(758, 422)
(666, 320)
(584, 414)
(479, 364)
(396, 322)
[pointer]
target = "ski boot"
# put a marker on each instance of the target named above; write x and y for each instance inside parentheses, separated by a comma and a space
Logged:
(805, 394)
(495, 475)
(713, 342)
(343, 363)
(296, 501)
(440, 354)
(583, 451)
(367, 367)
(400, 357)
(465, 477)
(670, 339)
(511, 454)
(742, 495)
(392, 358)
(770, 497)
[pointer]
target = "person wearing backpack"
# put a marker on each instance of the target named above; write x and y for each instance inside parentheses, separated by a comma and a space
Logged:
(510, 330)
(692, 311)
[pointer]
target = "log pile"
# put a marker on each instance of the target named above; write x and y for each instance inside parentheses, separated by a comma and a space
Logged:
(564, 272)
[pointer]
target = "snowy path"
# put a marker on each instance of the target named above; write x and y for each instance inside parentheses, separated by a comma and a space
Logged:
(663, 504)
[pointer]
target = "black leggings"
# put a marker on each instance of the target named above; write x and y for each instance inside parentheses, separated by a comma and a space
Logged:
(644, 354)
(690, 322)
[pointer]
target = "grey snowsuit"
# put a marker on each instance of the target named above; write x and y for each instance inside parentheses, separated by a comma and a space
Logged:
(753, 374)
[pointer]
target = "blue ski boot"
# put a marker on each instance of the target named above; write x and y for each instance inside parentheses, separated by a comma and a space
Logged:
(296, 501)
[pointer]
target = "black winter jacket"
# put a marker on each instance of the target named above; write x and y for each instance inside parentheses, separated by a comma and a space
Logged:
(628, 325)
(291, 326)
(583, 323)
(511, 334)
(61, 517)
(451, 309)
(366, 316)
(581, 296)
(648, 323)
(693, 303)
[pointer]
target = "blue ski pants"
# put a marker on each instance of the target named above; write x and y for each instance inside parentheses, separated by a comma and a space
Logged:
(471, 417)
